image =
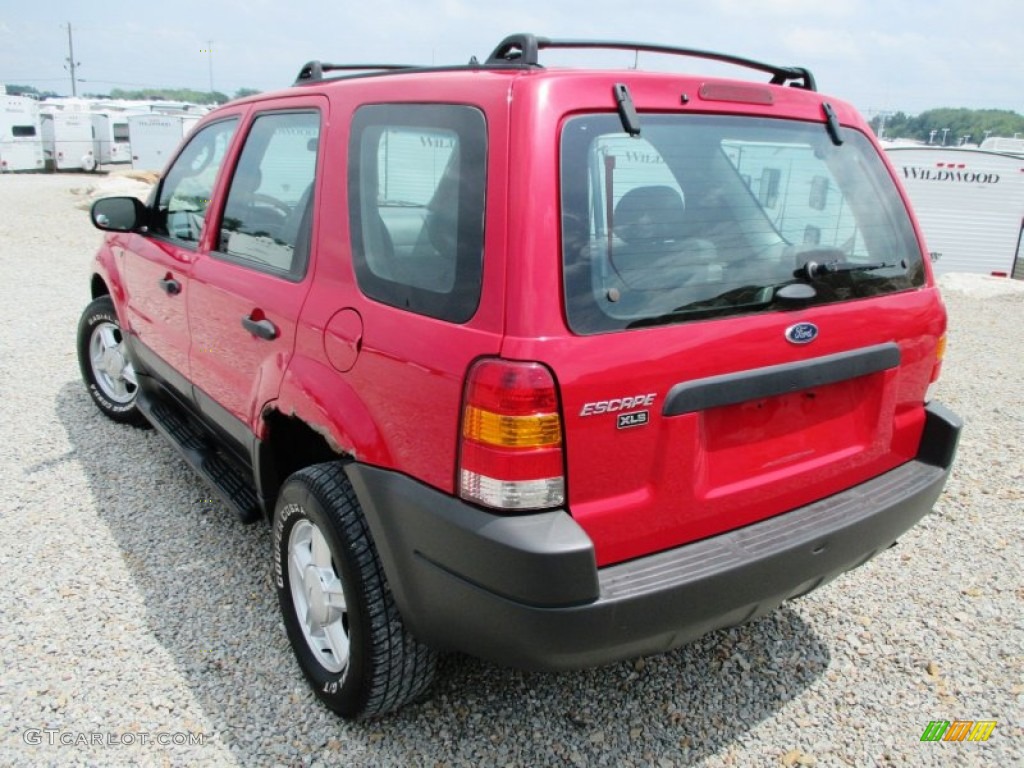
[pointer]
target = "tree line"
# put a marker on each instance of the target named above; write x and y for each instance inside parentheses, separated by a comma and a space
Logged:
(949, 126)
(145, 94)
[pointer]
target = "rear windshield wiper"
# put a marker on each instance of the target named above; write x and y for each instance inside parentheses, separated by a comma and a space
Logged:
(813, 269)
(744, 299)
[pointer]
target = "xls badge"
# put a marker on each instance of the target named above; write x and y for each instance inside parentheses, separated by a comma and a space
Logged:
(635, 419)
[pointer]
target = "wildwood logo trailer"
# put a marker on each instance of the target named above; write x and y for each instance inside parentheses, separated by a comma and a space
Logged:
(970, 205)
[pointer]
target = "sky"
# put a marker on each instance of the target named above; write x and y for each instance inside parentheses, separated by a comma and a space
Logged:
(881, 55)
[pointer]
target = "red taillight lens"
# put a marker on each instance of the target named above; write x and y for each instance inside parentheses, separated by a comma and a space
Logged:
(510, 454)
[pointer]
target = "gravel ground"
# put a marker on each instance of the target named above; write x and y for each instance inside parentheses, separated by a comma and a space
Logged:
(140, 613)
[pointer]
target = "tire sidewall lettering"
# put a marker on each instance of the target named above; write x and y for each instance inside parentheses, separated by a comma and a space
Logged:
(280, 521)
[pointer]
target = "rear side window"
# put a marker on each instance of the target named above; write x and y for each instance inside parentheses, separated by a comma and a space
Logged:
(417, 175)
(268, 213)
(711, 216)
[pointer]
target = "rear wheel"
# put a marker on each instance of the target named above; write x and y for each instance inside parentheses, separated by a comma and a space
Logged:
(106, 369)
(342, 622)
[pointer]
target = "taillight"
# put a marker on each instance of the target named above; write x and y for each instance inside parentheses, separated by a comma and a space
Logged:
(510, 453)
(940, 353)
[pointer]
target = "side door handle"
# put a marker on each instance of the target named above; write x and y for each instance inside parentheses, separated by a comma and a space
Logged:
(171, 286)
(262, 327)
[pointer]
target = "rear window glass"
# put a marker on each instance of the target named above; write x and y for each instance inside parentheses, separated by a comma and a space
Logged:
(712, 216)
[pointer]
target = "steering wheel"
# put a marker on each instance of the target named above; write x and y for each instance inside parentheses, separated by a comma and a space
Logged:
(272, 202)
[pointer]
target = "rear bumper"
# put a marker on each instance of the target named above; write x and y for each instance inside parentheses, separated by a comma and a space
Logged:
(525, 591)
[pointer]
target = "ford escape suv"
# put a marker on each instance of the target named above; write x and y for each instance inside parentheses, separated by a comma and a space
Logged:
(550, 366)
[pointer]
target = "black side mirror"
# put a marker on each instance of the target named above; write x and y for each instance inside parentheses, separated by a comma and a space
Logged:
(119, 214)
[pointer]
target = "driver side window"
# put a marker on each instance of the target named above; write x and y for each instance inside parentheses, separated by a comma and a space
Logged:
(268, 214)
(186, 189)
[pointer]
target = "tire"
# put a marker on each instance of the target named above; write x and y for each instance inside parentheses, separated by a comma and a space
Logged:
(106, 370)
(341, 619)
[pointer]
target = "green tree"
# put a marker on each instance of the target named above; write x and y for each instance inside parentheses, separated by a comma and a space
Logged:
(28, 90)
(951, 124)
(171, 94)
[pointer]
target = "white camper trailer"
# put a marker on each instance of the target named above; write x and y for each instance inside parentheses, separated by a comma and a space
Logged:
(1003, 144)
(155, 137)
(69, 141)
(970, 204)
(21, 142)
(112, 145)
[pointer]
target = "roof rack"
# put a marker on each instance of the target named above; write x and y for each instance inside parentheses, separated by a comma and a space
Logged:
(314, 70)
(521, 51)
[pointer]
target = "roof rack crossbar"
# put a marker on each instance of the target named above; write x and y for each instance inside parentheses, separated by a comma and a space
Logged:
(522, 51)
(314, 70)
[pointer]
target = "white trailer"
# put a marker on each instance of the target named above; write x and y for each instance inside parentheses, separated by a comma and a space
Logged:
(796, 192)
(154, 138)
(112, 143)
(69, 141)
(1005, 145)
(21, 141)
(970, 205)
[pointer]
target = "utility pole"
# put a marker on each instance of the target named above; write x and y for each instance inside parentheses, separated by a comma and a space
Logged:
(71, 63)
(209, 51)
(882, 115)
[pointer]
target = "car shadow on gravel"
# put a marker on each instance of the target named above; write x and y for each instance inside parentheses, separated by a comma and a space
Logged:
(209, 601)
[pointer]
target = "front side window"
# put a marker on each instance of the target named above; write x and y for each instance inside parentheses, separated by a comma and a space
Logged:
(707, 216)
(268, 213)
(185, 192)
(416, 206)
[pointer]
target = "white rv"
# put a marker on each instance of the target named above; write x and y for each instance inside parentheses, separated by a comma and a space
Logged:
(112, 144)
(1005, 145)
(21, 144)
(154, 138)
(69, 141)
(970, 205)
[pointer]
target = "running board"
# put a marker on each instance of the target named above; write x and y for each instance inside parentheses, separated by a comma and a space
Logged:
(199, 450)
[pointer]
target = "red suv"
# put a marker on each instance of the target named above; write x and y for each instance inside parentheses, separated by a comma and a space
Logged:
(550, 366)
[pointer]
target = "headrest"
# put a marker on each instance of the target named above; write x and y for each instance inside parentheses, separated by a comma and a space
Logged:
(646, 214)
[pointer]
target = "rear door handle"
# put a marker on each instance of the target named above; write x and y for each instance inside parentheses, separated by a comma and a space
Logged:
(262, 328)
(171, 286)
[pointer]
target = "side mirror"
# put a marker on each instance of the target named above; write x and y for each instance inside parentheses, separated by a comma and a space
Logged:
(119, 214)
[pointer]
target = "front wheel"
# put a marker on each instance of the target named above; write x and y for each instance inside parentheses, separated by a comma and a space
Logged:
(341, 619)
(106, 369)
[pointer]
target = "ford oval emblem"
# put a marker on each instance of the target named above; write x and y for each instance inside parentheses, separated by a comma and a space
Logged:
(802, 333)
